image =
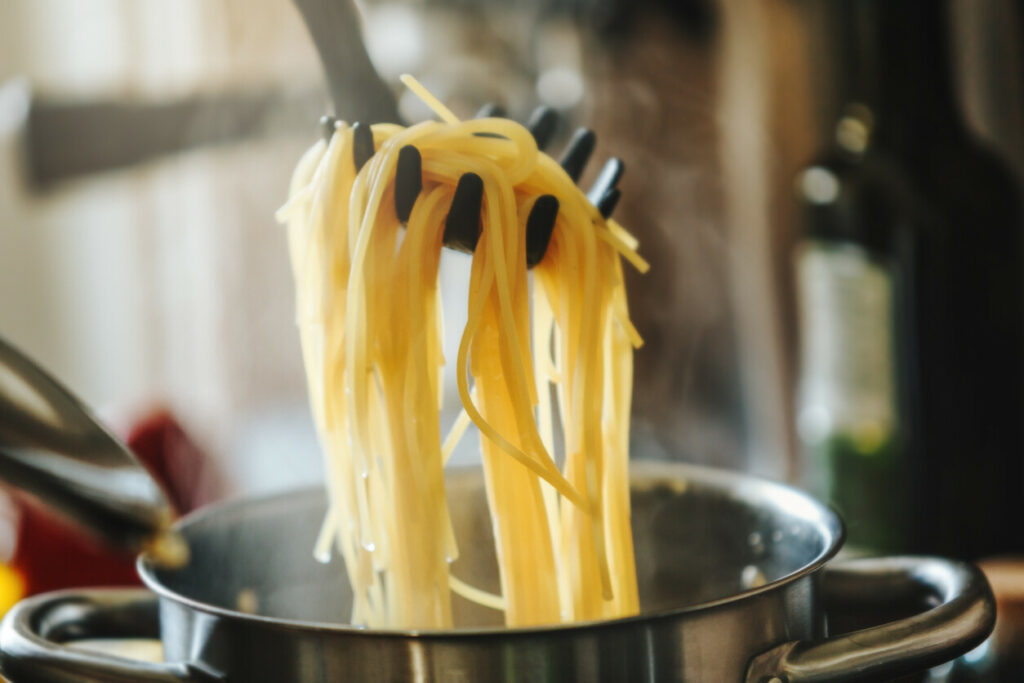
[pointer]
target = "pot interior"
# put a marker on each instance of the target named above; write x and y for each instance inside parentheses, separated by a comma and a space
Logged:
(700, 535)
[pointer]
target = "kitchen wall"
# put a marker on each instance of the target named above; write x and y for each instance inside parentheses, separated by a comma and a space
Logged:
(165, 282)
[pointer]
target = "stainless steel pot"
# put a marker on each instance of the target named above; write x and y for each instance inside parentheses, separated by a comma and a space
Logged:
(733, 580)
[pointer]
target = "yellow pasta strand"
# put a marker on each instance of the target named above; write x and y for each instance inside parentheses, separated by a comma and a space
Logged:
(442, 111)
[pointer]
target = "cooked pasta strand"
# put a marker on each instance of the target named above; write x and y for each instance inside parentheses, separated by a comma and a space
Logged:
(543, 371)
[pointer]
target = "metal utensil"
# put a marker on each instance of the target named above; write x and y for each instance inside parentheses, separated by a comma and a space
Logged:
(52, 447)
(735, 585)
(358, 92)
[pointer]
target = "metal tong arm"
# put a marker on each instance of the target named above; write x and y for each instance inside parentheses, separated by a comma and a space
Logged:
(52, 447)
(358, 92)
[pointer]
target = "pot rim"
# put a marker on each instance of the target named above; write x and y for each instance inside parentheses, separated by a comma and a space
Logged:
(642, 472)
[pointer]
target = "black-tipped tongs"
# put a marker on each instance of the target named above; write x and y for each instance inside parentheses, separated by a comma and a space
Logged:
(360, 95)
(462, 227)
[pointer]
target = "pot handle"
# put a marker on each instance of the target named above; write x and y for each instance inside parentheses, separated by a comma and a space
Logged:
(33, 631)
(962, 616)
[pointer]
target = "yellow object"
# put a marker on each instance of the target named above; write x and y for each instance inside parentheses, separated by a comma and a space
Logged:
(12, 587)
(369, 316)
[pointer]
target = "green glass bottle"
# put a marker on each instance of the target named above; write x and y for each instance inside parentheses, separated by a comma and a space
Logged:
(851, 288)
(911, 293)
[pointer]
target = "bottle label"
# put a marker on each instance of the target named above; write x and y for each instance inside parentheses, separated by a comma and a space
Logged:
(847, 388)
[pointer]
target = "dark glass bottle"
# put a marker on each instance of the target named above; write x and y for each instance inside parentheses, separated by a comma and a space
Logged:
(912, 297)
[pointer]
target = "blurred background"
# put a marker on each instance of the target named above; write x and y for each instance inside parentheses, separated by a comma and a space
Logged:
(146, 147)
(828, 192)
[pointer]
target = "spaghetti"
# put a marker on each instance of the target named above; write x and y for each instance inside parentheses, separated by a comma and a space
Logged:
(530, 357)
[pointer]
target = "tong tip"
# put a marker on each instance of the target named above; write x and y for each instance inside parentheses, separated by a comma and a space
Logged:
(606, 205)
(540, 223)
(362, 144)
(490, 110)
(408, 181)
(327, 125)
(542, 125)
(462, 227)
(581, 146)
(601, 192)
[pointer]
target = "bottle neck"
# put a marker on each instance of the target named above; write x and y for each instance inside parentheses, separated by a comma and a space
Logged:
(897, 61)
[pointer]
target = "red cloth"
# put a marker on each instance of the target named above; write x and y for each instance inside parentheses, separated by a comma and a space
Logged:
(187, 475)
(52, 554)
